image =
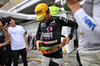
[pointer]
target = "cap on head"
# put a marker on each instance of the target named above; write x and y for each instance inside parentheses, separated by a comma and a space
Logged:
(40, 11)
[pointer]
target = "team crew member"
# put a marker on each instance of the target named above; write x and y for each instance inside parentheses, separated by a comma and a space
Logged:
(19, 43)
(89, 41)
(3, 41)
(50, 30)
(54, 9)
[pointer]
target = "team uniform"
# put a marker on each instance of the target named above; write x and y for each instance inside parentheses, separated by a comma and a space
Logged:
(89, 40)
(54, 10)
(18, 45)
(3, 54)
(51, 31)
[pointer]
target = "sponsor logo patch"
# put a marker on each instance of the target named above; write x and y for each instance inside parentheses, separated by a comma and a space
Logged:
(89, 23)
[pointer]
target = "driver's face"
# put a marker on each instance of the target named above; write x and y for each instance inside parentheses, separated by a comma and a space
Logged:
(46, 18)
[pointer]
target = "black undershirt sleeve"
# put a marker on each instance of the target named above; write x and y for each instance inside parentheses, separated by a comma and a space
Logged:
(71, 24)
(38, 34)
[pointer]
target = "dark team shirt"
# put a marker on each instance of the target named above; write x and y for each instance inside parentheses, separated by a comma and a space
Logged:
(2, 37)
(52, 31)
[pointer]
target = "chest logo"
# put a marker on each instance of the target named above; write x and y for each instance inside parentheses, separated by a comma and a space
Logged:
(53, 23)
(49, 29)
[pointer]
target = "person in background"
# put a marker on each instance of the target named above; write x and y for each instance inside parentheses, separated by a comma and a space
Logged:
(3, 41)
(88, 20)
(29, 38)
(54, 9)
(49, 30)
(19, 44)
(34, 43)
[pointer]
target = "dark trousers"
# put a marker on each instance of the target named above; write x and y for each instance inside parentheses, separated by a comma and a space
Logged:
(78, 59)
(3, 57)
(15, 55)
(8, 49)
